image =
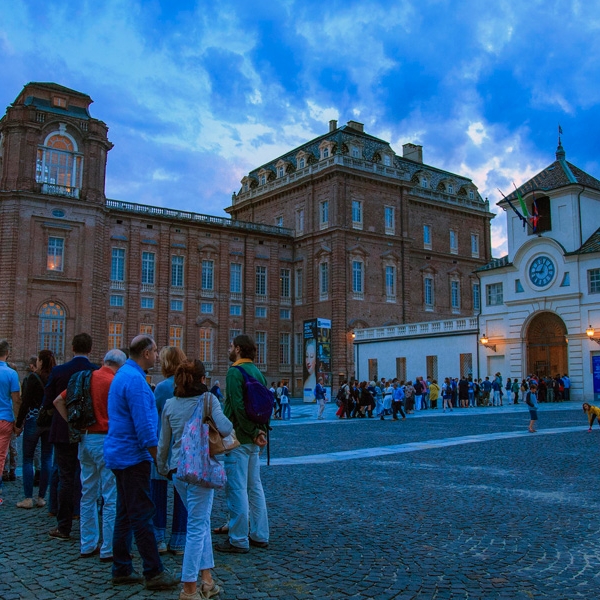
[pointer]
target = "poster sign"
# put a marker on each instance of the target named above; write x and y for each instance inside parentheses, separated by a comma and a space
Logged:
(596, 376)
(317, 357)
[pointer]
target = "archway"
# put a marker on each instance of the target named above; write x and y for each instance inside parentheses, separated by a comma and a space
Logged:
(547, 345)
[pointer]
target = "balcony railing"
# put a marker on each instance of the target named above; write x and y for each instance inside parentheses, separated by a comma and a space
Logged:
(148, 288)
(60, 190)
(466, 325)
(117, 285)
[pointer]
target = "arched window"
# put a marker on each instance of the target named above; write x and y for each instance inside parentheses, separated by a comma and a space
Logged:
(59, 166)
(51, 331)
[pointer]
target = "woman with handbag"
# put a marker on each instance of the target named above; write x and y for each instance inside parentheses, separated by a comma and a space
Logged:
(190, 391)
(32, 398)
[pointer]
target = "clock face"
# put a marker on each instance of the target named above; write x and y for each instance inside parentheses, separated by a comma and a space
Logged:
(542, 271)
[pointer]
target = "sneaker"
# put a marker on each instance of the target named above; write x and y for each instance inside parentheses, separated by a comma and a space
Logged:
(176, 552)
(58, 534)
(40, 502)
(258, 544)
(163, 581)
(162, 547)
(227, 546)
(133, 577)
(26, 503)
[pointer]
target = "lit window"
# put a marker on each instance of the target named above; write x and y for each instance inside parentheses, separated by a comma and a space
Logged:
(205, 335)
(206, 308)
(177, 271)
(494, 294)
(474, 245)
(56, 248)
(146, 329)
(261, 281)
(284, 283)
(285, 354)
(594, 281)
(117, 265)
(357, 277)
(388, 212)
(427, 236)
(453, 242)
(177, 305)
(235, 278)
(357, 215)
(115, 335)
(476, 297)
(285, 314)
(235, 310)
(176, 336)
(260, 312)
(390, 281)
(116, 300)
(59, 167)
(428, 282)
(207, 274)
(324, 279)
(455, 295)
(51, 328)
(148, 259)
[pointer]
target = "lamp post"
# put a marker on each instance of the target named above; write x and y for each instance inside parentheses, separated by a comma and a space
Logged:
(590, 333)
(484, 341)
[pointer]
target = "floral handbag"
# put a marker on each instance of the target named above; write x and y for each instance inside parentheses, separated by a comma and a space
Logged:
(195, 464)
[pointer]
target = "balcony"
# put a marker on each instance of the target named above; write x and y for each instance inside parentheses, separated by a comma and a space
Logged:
(235, 296)
(207, 293)
(262, 367)
(117, 285)
(177, 290)
(60, 190)
(427, 328)
(148, 288)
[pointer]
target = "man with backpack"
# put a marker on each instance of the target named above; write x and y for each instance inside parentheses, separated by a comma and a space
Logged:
(244, 399)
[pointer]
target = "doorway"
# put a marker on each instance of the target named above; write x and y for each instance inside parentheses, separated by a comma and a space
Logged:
(546, 340)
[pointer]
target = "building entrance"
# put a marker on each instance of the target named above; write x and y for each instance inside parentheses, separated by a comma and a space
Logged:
(547, 345)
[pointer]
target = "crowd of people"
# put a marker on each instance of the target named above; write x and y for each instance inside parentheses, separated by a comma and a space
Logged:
(114, 474)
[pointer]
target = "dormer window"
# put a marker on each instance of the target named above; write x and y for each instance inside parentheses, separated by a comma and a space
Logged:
(263, 179)
(301, 163)
(424, 182)
(280, 172)
(245, 187)
(59, 102)
(325, 152)
(387, 161)
(450, 188)
(355, 152)
(471, 195)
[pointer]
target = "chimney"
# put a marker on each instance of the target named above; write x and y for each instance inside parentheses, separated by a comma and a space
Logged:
(413, 152)
(356, 125)
(332, 125)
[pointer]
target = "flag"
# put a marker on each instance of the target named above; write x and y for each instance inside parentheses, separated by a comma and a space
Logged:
(524, 219)
(535, 217)
(559, 130)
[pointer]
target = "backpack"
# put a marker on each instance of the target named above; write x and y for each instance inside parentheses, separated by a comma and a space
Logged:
(80, 409)
(528, 399)
(258, 399)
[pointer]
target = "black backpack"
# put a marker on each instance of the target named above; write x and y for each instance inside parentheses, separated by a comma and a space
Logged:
(258, 399)
(80, 409)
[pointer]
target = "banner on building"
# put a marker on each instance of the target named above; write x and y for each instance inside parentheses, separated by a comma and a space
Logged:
(596, 376)
(317, 357)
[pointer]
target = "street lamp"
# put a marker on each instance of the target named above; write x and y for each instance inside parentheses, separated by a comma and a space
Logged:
(483, 340)
(590, 333)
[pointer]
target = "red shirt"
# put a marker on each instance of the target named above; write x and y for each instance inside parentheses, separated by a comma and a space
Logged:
(99, 386)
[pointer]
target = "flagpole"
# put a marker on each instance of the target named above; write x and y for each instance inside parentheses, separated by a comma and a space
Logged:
(524, 219)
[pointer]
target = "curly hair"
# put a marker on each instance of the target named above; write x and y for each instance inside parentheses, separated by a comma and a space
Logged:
(188, 379)
(170, 358)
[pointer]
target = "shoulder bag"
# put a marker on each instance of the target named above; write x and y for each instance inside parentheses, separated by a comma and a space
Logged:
(218, 444)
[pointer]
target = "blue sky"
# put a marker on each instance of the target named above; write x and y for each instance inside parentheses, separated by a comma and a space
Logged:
(198, 93)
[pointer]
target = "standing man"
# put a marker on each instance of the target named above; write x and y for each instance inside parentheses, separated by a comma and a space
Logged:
(567, 384)
(96, 479)
(129, 449)
(245, 496)
(320, 397)
(65, 453)
(10, 401)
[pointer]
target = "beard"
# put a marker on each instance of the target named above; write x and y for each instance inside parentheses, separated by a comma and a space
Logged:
(232, 356)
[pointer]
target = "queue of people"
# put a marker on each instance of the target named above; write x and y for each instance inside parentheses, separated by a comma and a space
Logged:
(115, 473)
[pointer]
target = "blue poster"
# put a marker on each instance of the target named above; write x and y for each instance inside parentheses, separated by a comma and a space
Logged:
(596, 376)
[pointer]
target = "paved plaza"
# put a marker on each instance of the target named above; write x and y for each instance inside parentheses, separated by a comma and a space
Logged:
(465, 504)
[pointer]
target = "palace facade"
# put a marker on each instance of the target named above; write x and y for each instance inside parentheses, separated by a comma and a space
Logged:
(341, 228)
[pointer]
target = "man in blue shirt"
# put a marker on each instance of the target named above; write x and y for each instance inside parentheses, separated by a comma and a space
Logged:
(10, 400)
(129, 450)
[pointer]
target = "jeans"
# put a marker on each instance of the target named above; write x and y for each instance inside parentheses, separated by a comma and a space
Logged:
(158, 493)
(321, 402)
(31, 435)
(198, 554)
(471, 398)
(245, 496)
(286, 409)
(66, 459)
(135, 510)
(96, 479)
(418, 399)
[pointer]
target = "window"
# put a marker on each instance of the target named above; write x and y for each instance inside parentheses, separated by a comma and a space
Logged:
(453, 242)
(206, 308)
(357, 277)
(285, 283)
(176, 336)
(474, 245)
(177, 271)
(476, 297)
(301, 163)
(355, 152)
(594, 281)
(117, 300)
(325, 152)
(424, 182)
(299, 285)
(263, 179)
(300, 220)
(115, 335)
(455, 295)
(260, 312)
(56, 248)
(298, 349)
(59, 166)
(518, 286)
(357, 217)
(387, 161)
(390, 281)
(147, 302)
(261, 347)
(401, 368)
(261, 281)
(284, 349)
(427, 236)
(207, 274)
(279, 221)
(323, 280)
(566, 282)
(280, 172)
(388, 213)
(206, 344)
(235, 278)
(494, 294)
(285, 314)
(233, 333)
(466, 365)
(146, 329)
(324, 212)
(148, 259)
(372, 369)
(51, 328)
(428, 292)
(117, 265)
(235, 310)
(431, 366)
(177, 305)
(471, 195)
(450, 188)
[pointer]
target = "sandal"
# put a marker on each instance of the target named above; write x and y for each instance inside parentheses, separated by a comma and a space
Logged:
(209, 590)
(223, 530)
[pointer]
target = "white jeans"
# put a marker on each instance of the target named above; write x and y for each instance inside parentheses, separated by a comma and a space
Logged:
(198, 553)
(321, 402)
(418, 399)
(496, 401)
(245, 496)
(96, 479)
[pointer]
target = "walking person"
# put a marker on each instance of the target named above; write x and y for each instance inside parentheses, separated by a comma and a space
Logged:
(531, 399)
(320, 398)
(286, 407)
(447, 395)
(245, 495)
(397, 402)
(387, 401)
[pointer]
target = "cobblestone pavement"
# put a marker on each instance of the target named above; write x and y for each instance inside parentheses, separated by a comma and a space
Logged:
(486, 511)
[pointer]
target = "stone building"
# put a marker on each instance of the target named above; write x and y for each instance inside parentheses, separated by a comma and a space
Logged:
(341, 228)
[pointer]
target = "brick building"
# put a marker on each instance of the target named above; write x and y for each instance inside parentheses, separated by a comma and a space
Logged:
(341, 228)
